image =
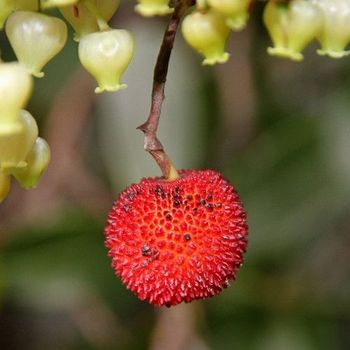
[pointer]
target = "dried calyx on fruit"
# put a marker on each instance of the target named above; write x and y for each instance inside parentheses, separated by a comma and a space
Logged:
(176, 241)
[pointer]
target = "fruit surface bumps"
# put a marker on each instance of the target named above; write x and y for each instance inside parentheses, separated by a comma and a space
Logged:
(175, 241)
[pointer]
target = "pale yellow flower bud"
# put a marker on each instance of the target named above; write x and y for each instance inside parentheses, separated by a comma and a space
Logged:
(106, 55)
(5, 183)
(35, 38)
(15, 145)
(292, 26)
(16, 85)
(335, 32)
(235, 11)
(46, 4)
(207, 33)
(37, 162)
(28, 5)
(81, 19)
(8, 6)
(89, 16)
(102, 8)
(150, 8)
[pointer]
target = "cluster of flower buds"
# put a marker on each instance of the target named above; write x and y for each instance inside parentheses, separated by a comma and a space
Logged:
(36, 38)
(293, 24)
(207, 28)
(23, 154)
(106, 52)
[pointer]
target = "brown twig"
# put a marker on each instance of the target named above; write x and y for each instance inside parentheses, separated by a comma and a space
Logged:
(150, 127)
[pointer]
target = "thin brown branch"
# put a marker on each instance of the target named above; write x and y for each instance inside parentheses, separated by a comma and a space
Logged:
(150, 127)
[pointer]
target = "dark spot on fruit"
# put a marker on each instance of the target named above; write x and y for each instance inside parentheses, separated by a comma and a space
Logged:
(209, 197)
(210, 207)
(176, 203)
(168, 216)
(202, 202)
(130, 196)
(187, 237)
(152, 253)
(189, 197)
(159, 190)
(126, 207)
(177, 189)
(163, 195)
(146, 250)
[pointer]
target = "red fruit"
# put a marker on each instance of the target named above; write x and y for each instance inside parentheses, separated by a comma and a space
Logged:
(174, 241)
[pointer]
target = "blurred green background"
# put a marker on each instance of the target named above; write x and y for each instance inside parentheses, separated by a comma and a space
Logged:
(280, 131)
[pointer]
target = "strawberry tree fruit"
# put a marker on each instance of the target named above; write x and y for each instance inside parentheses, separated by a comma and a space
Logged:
(177, 241)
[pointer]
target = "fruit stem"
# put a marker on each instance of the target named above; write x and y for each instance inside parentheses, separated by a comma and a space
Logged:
(151, 142)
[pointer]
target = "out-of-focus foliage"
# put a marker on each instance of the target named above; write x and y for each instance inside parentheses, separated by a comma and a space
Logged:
(57, 289)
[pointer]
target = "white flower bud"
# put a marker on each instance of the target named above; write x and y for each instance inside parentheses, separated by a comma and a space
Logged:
(16, 85)
(89, 16)
(106, 55)
(150, 8)
(5, 183)
(207, 33)
(335, 32)
(8, 6)
(37, 161)
(104, 8)
(81, 19)
(15, 145)
(292, 26)
(235, 11)
(35, 38)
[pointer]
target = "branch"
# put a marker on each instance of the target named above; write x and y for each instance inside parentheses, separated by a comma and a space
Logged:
(150, 127)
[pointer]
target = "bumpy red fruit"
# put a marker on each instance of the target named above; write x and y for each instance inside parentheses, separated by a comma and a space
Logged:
(175, 241)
